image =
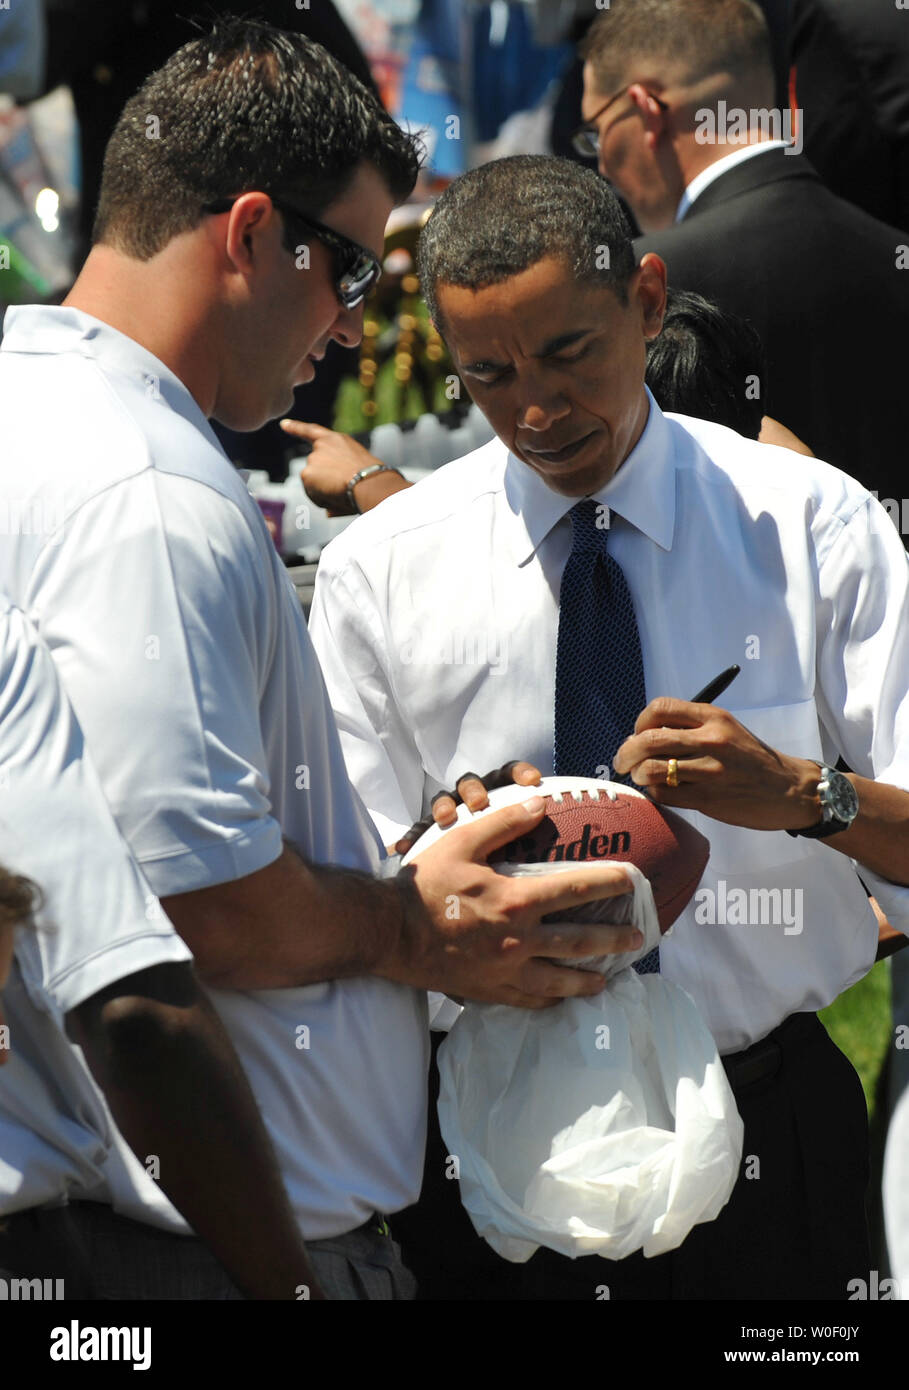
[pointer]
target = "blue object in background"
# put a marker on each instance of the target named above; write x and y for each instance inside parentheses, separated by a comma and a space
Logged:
(510, 71)
(431, 87)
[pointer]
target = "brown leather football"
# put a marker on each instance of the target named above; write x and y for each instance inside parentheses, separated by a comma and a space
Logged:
(598, 822)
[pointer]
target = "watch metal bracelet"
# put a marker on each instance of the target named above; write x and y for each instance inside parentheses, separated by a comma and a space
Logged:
(366, 473)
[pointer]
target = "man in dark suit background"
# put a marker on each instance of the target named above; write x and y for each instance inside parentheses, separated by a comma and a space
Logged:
(850, 61)
(745, 221)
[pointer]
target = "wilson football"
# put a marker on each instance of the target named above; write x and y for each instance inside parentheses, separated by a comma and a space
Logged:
(590, 821)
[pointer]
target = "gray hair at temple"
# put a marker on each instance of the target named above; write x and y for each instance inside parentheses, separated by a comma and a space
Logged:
(498, 220)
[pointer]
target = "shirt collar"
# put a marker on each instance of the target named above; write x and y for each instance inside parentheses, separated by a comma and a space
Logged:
(722, 166)
(47, 329)
(642, 491)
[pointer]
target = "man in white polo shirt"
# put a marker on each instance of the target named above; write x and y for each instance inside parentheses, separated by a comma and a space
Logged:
(731, 552)
(228, 253)
(95, 956)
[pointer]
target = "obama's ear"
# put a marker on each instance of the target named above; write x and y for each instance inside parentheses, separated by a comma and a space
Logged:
(647, 288)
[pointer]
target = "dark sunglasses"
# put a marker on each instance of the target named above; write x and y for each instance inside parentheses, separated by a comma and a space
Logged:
(356, 269)
(586, 139)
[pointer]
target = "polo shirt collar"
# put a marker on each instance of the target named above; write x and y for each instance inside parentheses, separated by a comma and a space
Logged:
(47, 329)
(642, 492)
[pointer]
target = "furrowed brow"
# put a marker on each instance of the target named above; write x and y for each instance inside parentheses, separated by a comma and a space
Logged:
(563, 341)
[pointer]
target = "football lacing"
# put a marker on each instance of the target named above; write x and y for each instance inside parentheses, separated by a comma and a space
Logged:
(559, 796)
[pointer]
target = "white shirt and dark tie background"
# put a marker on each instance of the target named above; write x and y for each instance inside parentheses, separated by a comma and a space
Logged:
(732, 551)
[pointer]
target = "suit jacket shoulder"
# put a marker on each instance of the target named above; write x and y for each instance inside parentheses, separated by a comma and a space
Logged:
(823, 284)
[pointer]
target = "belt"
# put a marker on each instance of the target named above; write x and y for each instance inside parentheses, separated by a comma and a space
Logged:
(763, 1059)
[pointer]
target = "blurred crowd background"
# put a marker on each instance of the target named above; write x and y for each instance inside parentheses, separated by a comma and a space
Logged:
(480, 80)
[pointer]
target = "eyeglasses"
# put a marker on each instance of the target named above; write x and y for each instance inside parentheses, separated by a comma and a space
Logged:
(586, 139)
(356, 269)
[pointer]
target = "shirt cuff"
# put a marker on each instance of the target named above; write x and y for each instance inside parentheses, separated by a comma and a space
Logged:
(148, 947)
(194, 867)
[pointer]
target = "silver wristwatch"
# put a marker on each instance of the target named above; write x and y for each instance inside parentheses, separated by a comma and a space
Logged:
(839, 805)
(367, 473)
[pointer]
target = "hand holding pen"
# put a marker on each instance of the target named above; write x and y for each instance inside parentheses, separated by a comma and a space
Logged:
(693, 755)
(712, 690)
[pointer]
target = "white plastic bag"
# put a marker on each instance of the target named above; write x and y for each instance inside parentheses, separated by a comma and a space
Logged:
(601, 1126)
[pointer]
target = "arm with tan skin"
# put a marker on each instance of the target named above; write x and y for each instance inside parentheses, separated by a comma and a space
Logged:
(155, 1046)
(295, 924)
(334, 460)
(732, 776)
(772, 432)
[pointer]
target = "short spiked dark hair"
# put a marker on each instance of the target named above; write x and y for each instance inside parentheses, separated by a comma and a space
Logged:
(246, 107)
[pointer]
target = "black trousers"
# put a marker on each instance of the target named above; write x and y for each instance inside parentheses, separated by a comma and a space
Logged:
(45, 1243)
(794, 1228)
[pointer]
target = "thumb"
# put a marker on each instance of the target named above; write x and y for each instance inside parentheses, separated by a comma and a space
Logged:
(490, 830)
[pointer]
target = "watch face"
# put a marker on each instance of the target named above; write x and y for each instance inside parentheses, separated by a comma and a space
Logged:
(840, 799)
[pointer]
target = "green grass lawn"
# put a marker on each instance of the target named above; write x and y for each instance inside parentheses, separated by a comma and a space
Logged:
(860, 1024)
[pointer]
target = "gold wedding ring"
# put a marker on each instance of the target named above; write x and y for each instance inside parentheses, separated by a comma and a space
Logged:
(672, 772)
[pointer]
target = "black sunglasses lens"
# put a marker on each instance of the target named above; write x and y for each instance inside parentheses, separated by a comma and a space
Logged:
(357, 280)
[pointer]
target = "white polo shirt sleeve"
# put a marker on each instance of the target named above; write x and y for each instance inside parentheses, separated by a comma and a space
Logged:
(97, 922)
(163, 630)
(382, 757)
(99, 919)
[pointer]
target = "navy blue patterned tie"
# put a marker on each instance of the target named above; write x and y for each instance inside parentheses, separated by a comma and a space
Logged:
(599, 669)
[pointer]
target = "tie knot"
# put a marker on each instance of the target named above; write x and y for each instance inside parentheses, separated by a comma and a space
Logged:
(589, 523)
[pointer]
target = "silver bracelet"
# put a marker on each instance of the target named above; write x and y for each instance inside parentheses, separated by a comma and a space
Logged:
(367, 473)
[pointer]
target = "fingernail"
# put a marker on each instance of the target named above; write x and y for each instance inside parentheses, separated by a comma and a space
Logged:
(532, 805)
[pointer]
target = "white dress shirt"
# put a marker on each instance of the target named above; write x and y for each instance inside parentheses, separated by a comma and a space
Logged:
(98, 921)
(435, 620)
(713, 171)
(176, 631)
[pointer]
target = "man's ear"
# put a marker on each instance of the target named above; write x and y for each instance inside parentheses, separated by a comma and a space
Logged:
(648, 286)
(252, 215)
(653, 116)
